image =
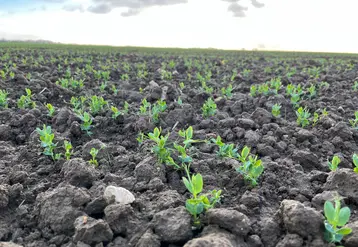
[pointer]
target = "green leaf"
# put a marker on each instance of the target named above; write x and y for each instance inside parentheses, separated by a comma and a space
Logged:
(329, 211)
(329, 227)
(355, 160)
(197, 181)
(344, 231)
(189, 132)
(344, 215)
(245, 152)
(188, 185)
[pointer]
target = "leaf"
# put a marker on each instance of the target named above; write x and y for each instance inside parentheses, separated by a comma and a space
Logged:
(329, 211)
(189, 132)
(344, 215)
(197, 181)
(344, 231)
(188, 185)
(328, 227)
(355, 160)
(245, 152)
(336, 160)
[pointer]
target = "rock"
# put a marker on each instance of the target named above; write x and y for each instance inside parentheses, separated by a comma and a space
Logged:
(251, 199)
(96, 206)
(342, 130)
(59, 208)
(4, 196)
(261, 116)
(173, 225)
(304, 134)
(252, 138)
(147, 169)
(246, 123)
(63, 119)
(352, 239)
(113, 194)
(154, 90)
(307, 160)
(95, 143)
(299, 219)
(9, 244)
(78, 173)
(345, 182)
(270, 231)
(5, 132)
(227, 122)
(229, 219)
(319, 199)
(254, 241)
(92, 231)
(183, 116)
(213, 240)
(148, 240)
(121, 219)
(291, 240)
(237, 108)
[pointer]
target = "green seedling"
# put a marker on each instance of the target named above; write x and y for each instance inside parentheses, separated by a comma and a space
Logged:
(160, 149)
(253, 90)
(145, 107)
(94, 153)
(51, 110)
(333, 165)
(179, 101)
(355, 86)
(312, 91)
(97, 104)
(324, 113)
(125, 108)
(3, 98)
(115, 112)
(140, 138)
(324, 85)
(295, 99)
(264, 89)
(86, 119)
(103, 86)
(315, 118)
(188, 137)
(199, 203)
(246, 73)
(275, 110)
(209, 108)
(354, 122)
(336, 219)
(275, 85)
(68, 148)
(181, 85)
(46, 138)
(251, 167)
(290, 89)
(114, 90)
(225, 150)
(158, 107)
(125, 77)
(355, 162)
(303, 117)
(26, 101)
(227, 92)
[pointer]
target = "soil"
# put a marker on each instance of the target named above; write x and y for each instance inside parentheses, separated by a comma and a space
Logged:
(62, 203)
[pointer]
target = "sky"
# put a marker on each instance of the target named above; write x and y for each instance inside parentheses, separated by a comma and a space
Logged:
(302, 25)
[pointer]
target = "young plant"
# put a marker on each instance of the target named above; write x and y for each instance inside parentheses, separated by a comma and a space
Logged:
(181, 85)
(336, 219)
(125, 108)
(160, 149)
(355, 162)
(253, 90)
(276, 110)
(145, 107)
(355, 86)
(333, 165)
(227, 92)
(97, 104)
(94, 153)
(115, 112)
(114, 90)
(46, 138)
(199, 203)
(354, 122)
(86, 119)
(3, 98)
(251, 167)
(209, 108)
(26, 101)
(312, 91)
(225, 150)
(303, 117)
(315, 118)
(51, 110)
(68, 148)
(158, 107)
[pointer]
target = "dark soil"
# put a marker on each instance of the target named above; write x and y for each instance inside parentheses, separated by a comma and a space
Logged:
(47, 203)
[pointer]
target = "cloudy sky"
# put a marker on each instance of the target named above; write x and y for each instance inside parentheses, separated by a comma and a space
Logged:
(311, 25)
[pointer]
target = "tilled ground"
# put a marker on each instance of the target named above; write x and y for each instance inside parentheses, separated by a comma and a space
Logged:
(47, 203)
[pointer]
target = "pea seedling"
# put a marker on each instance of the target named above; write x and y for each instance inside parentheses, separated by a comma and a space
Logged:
(115, 112)
(209, 108)
(86, 122)
(303, 117)
(46, 138)
(26, 101)
(68, 148)
(251, 168)
(51, 110)
(253, 90)
(336, 219)
(333, 165)
(227, 92)
(3, 98)
(355, 162)
(94, 153)
(354, 122)
(276, 110)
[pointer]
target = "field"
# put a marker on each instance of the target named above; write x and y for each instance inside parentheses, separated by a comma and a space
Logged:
(144, 147)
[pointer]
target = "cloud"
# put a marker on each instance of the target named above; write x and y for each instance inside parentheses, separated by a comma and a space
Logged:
(237, 10)
(134, 6)
(73, 7)
(257, 4)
